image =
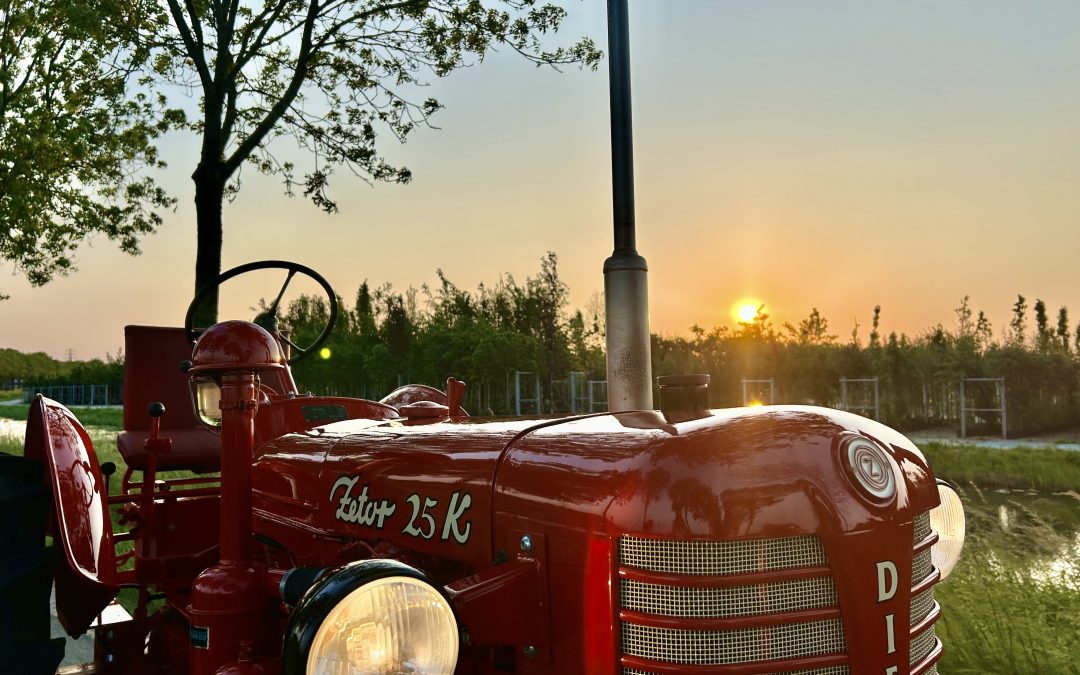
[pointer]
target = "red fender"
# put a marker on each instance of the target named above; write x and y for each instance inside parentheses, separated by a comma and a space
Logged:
(88, 582)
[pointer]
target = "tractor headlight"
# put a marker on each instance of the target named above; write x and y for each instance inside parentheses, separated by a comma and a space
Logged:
(947, 520)
(374, 617)
(206, 399)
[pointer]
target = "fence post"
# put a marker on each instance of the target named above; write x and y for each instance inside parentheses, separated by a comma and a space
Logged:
(963, 411)
(1004, 407)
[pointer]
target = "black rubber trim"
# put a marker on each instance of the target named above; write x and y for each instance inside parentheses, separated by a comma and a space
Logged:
(327, 592)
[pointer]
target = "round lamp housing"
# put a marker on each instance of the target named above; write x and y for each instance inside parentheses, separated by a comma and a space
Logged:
(236, 346)
(372, 617)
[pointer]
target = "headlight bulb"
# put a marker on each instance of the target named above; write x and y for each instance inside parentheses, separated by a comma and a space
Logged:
(387, 626)
(947, 520)
(206, 399)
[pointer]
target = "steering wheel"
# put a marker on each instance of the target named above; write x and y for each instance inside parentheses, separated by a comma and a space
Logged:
(268, 319)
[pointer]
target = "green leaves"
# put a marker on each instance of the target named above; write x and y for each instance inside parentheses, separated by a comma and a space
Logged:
(338, 76)
(73, 137)
(79, 113)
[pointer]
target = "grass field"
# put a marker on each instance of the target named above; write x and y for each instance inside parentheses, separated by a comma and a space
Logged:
(101, 423)
(1012, 606)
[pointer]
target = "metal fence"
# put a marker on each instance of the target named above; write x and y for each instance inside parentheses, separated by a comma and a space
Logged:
(77, 394)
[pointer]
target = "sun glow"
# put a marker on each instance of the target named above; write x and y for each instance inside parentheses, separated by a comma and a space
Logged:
(745, 310)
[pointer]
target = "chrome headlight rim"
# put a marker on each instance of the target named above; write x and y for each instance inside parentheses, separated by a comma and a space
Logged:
(328, 592)
(949, 522)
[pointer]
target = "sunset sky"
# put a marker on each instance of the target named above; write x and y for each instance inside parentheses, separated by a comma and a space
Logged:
(819, 154)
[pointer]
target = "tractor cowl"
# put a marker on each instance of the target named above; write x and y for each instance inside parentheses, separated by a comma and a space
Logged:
(236, 346)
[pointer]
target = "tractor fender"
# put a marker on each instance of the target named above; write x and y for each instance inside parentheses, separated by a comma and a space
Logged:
(88, 582)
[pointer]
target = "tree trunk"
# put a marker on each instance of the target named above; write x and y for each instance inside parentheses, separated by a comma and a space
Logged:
(209, 194)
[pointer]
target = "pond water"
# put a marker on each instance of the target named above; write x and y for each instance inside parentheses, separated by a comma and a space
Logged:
(1029, 533)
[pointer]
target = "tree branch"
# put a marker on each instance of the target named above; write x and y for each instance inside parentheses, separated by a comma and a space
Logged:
(303, 58)
(193, 48)
(247, 52)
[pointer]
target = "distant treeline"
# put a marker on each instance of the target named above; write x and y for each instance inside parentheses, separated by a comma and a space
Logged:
(918, 378)
(386, 337)
(38, 368)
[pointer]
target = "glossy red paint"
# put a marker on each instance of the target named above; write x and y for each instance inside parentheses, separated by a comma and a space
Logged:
(579, 485)
(232, 618)
(531, 527)
(236, 346)
(280, 415)
(153, 374)
(231, 614)
(89, 580)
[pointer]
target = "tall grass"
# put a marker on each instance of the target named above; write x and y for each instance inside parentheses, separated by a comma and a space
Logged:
(102, 424)
(95, 416)
(1003, 612)
(1042, 469)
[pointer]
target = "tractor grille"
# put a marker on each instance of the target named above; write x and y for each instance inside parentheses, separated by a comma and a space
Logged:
(831, 670)
(922, 604)
(743, 596)
(651, 595)
(787, 641)
(718, 558)
(786, 596)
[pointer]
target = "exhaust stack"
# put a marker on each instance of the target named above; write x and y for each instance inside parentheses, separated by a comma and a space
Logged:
(626, 289)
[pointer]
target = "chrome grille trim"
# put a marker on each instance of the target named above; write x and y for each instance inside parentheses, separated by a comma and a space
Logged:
(921, 567)
(921, 605)
(831, 670)
(921, 645)
(787, 641)
(751, 600)
(719, 558)
(922, 527)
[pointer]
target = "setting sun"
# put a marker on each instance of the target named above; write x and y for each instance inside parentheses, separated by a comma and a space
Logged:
(745, 310)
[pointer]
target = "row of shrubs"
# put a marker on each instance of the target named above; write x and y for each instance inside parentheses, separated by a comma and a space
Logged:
(385, 338)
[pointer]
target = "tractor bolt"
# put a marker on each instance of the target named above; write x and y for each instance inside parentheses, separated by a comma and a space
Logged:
(530, 651)
(526, 544)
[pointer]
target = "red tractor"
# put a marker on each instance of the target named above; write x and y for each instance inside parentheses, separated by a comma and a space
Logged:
(331, 535)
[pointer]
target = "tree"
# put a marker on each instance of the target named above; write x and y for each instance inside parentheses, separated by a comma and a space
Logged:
(1044, 335)
(875, 336)
(1063, 328)
(964, 327)
(984, 334)
(1018, 325)
(813, 330)
(333, 75)
(72, 136)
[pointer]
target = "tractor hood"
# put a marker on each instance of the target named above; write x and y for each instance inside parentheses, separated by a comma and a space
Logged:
(464, 490)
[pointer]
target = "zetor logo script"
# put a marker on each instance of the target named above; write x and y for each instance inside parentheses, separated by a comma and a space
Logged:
(424, 522)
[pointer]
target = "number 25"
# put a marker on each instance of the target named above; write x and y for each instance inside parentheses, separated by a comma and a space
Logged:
(421, 513)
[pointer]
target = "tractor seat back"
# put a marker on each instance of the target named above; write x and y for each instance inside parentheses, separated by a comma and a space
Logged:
(152, 358)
